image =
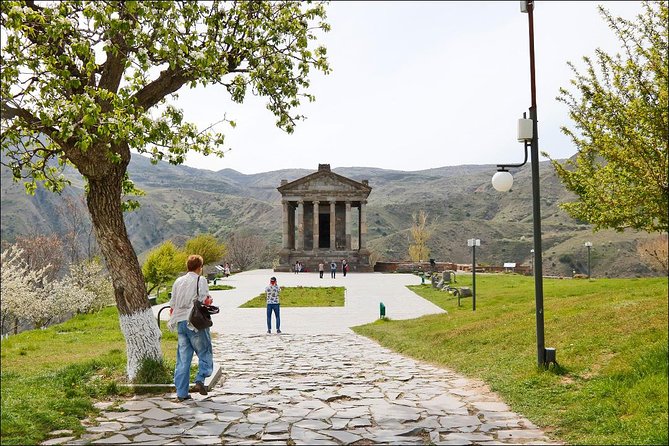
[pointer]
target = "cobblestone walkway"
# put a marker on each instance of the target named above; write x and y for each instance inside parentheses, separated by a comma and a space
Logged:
(316, 389)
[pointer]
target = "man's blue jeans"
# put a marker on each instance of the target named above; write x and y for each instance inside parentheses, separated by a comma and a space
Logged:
(189, 342)
(275, 309)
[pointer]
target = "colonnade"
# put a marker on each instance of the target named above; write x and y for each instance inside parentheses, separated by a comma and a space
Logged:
(303, 222)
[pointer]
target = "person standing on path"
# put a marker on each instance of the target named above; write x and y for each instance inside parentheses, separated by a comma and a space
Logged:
(272, 291)
(333, 269)
(344, 267)
(190, 340)
(321, 269)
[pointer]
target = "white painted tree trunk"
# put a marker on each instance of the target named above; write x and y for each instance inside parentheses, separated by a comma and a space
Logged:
(140, 330)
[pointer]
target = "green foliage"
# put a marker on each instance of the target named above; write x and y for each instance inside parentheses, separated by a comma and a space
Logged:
(620, 114)
(154, 371)
(162, 264)
(221, 287)
(611, 340)
(51, 377)
(207, 246)
(303, 297)
(89, 106)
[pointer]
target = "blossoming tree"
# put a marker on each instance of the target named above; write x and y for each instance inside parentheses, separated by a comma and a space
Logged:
(85, 83)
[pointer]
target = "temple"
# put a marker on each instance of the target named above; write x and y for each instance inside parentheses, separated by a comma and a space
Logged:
(324, 220)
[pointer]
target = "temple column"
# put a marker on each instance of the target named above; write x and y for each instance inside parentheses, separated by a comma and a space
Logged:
(333, 234)
(363, 225)
(284, 237)
(348, 225)
(316, 234)
(300, 225)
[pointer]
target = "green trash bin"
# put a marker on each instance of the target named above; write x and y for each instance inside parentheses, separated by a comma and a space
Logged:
(382, 310)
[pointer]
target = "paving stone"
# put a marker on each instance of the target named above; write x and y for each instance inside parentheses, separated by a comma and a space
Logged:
(244, 430)
(262, 417)
(102, 405)
(517, 434)
(312, 424)
(138, 405)
(455, 421)
(230, 416)
(158, 414)
(58, 440)
(148, 437)
(208, 428)
(130, 419)
(472, 437)
(60, 432)
(342, 436)
(116, 439)
(109, 426)
(492, 406)
(132, 431)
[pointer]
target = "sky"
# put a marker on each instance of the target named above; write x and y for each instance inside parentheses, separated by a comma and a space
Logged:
(418, 85)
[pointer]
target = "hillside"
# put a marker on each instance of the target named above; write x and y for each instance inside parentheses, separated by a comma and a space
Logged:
(182, 201)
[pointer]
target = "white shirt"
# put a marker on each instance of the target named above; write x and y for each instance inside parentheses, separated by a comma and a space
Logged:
(183, 293)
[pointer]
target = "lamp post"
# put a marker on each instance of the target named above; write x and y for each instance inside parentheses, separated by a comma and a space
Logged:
(588, 245)
(503, 180)
(473, 242)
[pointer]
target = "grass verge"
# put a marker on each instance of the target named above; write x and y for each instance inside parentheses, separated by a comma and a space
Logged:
(611, 338)
(303, 297)
(50, 378)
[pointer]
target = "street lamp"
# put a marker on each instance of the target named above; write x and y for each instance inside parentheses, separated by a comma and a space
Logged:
(503, 180)
(588, 245)
(473, 242)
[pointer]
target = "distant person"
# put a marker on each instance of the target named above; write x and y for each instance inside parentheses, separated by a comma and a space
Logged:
(185, 289)
(321, 269)
(226, 270)
(344, 267)
(297, 267)
(333, 269)
(272, 291)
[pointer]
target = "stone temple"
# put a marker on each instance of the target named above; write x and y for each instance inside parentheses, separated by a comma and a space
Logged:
(324, 220)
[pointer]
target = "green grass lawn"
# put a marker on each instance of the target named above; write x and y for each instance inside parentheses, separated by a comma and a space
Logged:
(50, 378)
(611, 338)
(303, 297)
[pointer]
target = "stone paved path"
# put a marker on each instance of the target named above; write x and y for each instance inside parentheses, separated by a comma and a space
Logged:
(316, 389)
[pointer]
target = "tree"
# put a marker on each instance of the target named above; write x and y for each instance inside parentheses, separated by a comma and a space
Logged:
(621, 128)
(655, 252)
(87, 83)
(421, 233)
(162, 264)
(207, 246)
(246, 250)
(42, 252)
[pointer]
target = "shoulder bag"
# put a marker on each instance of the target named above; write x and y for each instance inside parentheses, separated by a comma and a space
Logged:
(200, 314)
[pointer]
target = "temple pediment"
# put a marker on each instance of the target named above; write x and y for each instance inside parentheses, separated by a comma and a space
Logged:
(324, 182)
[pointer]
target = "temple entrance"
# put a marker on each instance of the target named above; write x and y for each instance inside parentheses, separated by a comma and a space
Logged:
(324, 229)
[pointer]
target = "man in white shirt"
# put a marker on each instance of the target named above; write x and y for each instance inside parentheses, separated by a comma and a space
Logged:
(190, 340)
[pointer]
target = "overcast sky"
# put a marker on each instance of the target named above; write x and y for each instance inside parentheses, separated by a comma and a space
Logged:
(416, 85)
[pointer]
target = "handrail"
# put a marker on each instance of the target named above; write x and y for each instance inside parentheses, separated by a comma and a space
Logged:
(159, 311)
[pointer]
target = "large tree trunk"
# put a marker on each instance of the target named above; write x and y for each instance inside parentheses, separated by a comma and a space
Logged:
(142, 335)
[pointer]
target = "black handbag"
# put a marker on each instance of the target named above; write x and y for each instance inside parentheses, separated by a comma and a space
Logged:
(200, 314)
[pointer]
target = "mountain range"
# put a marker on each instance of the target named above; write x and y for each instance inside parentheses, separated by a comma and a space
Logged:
(182, 201)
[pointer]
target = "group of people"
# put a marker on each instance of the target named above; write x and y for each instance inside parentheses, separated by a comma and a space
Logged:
(333, 268)
(191, 340)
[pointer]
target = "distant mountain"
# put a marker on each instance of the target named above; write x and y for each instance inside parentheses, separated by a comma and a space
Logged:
(182, 201)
